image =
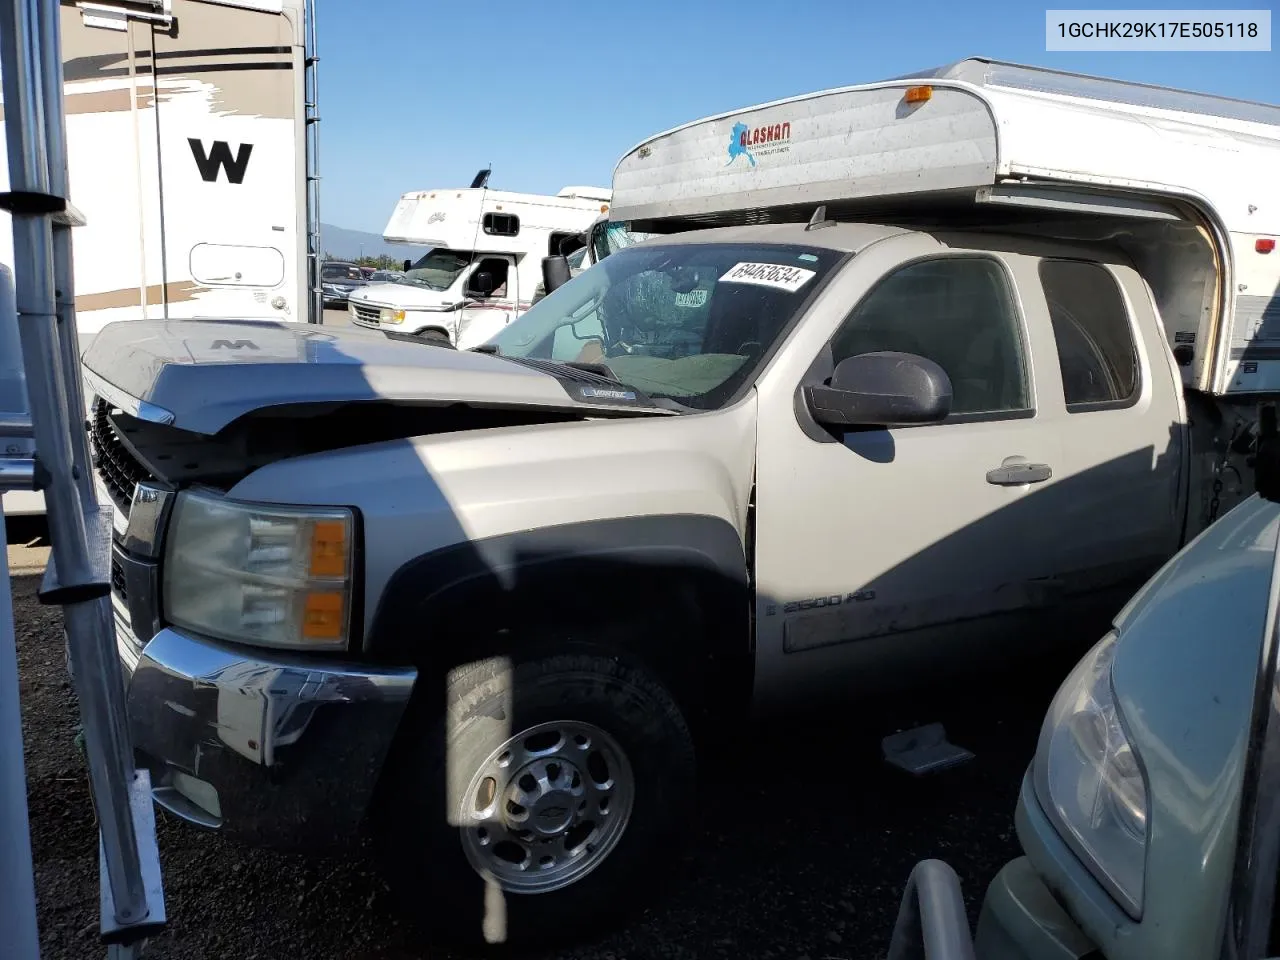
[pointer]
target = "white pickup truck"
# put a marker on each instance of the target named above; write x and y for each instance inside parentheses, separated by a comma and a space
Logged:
(920, 368)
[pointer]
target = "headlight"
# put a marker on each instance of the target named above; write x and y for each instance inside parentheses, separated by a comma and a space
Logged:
(391, 316)
(260, 573)
(1090, 781)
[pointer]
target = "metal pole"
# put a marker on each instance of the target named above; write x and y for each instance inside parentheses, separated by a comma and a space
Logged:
(17, 883)
(78, 576)
(51, 84)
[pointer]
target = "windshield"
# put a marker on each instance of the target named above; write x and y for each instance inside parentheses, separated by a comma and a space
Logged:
(689, 322)
(437, 269)
(613, 238)
(576, 259)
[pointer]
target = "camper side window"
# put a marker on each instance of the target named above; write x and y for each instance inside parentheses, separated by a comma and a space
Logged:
(501, 224)
(956, 311)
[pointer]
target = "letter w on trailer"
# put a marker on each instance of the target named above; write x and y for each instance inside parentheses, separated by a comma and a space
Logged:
(42, 332)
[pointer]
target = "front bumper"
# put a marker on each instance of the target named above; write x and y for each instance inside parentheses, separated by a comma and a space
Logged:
(270, 748)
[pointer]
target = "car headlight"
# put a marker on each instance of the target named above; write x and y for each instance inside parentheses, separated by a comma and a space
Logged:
(388, 315)
(1090, 781)
(276, 576)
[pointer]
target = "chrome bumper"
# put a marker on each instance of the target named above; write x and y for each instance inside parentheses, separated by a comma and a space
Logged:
(271, 749)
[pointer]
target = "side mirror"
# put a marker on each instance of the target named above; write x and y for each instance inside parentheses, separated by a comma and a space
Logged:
(555, 272)
(881, 390)
(408, 265)
(482, 283)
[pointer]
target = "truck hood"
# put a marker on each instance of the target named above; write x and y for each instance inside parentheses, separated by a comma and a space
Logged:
(404, 295)
(201, 375)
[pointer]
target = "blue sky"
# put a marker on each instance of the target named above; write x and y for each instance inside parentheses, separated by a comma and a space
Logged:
(418, 94)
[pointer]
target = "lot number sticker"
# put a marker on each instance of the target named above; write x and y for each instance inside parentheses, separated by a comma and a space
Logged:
(776, 275)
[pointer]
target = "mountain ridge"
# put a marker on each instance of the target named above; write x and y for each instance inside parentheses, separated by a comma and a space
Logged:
(343, 243)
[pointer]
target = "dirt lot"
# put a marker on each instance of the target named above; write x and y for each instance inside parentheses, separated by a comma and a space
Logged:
(802, 856)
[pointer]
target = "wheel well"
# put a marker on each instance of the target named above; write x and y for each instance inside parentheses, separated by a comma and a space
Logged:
(688, 622)
(433, 328)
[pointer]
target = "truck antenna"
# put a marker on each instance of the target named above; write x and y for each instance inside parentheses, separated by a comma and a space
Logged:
(819, 219)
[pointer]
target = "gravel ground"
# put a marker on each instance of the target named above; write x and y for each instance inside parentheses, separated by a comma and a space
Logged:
(802, 855)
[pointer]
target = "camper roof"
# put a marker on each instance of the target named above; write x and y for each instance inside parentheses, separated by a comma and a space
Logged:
(976, 131)
(602, 194)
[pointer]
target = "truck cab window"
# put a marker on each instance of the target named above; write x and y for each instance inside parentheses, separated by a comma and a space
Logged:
(497, 268)
(1096, 350)
(957, 312)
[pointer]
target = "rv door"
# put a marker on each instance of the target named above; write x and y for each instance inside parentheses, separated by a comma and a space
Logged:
(491, 299)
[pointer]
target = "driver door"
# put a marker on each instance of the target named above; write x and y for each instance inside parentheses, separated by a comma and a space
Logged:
(871, 538)
(486, 311)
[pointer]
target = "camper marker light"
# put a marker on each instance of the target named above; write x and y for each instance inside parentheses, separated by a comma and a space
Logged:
(918, 94)
(1264, 244)
(260, 573)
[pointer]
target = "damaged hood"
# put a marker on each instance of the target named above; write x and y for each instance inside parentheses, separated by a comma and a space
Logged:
(200, 375)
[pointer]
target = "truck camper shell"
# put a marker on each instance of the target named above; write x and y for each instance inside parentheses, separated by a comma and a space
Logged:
(1179, 181)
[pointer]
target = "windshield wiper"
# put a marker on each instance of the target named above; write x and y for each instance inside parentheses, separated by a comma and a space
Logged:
(491, 348)
(601, 369)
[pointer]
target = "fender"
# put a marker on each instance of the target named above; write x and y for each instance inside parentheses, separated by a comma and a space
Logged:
(667, 581)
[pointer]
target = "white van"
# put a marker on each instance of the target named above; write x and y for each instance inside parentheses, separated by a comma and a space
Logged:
(485, 263)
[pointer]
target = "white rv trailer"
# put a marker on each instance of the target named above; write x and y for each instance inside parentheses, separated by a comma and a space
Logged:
(1184, 178)
(485, 263)
(189, 150)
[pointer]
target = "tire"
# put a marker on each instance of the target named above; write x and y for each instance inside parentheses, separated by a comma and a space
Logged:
(433, 333)
(634, 728)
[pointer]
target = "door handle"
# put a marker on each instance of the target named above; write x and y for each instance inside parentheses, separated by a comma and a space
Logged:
(1015, 472)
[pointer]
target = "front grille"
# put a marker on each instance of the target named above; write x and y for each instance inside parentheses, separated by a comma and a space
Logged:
(366, 314)
(118, 468)
(117, 581)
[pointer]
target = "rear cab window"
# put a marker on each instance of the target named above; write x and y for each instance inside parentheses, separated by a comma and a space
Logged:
(1097, 351)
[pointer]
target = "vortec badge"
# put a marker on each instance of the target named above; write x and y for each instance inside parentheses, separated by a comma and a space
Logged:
(600, 393)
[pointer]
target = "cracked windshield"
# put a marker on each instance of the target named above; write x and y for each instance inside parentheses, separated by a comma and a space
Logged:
(686, 322)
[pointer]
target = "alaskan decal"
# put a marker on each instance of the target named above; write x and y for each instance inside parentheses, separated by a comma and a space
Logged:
(750, 142)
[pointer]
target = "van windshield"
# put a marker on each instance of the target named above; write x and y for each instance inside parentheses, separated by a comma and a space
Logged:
(437, 269)
(689, 322)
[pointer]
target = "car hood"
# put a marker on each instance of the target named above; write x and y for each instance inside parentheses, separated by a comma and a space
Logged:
(405, 295)
(201, 375)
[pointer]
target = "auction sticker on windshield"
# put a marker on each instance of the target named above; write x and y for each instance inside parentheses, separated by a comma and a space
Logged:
(776, 275)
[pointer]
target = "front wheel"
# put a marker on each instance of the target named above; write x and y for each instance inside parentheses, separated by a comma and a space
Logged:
(567, 787)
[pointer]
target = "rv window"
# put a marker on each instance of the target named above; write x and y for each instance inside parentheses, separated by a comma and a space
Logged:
(501, 224)
(1096, 350)
(438, 269)
(957, 312)
(689, 322)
